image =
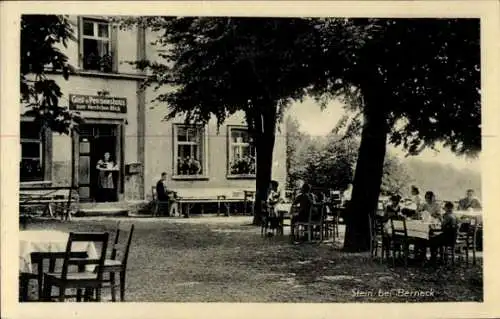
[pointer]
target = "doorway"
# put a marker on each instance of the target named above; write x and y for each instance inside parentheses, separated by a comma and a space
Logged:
(94, 141)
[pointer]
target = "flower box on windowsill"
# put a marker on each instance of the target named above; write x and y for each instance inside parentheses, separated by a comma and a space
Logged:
(190, 177)
(241, 176)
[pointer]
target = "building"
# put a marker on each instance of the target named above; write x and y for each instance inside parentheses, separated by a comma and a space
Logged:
(120, 119)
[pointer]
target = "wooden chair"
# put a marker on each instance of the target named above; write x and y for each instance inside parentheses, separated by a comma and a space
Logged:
(157, 203)
(331, 222)
(399, 240)
(312, 223)
(465, 242)
(83, 279)
(114, 265)
(378, 238)
(41, 261)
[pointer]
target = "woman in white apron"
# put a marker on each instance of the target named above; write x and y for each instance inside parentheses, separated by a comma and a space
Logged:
(105, 182)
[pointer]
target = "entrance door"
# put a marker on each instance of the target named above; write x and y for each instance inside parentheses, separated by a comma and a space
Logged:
(95, 140)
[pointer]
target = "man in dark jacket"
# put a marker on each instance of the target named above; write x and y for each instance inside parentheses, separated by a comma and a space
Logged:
(162, 195)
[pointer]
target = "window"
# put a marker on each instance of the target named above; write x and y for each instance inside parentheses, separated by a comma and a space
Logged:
(31, 166)
(190, 151)
(241, 153)
(96, 42)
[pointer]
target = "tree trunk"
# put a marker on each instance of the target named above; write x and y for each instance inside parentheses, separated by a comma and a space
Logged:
(368, 176)
(264, 141)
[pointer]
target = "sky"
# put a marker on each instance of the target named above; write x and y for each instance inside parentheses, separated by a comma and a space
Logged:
(314, 121)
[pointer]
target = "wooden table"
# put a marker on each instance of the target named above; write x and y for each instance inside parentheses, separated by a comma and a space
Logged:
(415, 228)
(188, 203)
(464, 214)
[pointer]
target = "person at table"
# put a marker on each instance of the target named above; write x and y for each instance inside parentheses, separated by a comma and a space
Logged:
(393, 208)
(469, 202)
(449, 227)
(304, 201)
(430, 208)
(416, 197)
(105, 168)
(162, 194)
(273, 199)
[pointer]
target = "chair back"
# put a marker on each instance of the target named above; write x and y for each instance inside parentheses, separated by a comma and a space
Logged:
(319, 209)
(101, 239)
(40, 259)
(115, 243)
(127, 248)
(399, 231)
(467, 231)
(376, 225)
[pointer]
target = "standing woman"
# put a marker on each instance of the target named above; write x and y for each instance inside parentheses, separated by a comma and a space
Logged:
(105, 168)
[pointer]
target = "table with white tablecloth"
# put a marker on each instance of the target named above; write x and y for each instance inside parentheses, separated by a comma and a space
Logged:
(31, 241)
(465, 214)
(283, 207)
(415, 228)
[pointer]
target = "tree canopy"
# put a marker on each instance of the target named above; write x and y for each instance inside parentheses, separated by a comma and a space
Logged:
(41, 36)
(426, 72)
(218, 66)
(414, 82)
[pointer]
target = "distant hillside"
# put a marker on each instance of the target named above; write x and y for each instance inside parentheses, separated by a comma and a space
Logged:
(446, 181)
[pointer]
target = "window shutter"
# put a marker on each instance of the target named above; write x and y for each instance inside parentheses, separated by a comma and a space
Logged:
(80, 42)
(114, 47)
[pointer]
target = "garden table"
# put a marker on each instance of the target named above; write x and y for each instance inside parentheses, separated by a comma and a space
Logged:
(48, 241)
(415, 228)
(284, 207)
(464, 214)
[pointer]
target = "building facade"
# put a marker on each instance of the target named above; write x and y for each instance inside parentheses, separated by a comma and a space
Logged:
(119, 118)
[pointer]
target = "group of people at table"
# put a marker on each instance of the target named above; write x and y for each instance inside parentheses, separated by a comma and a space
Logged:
(427, 210)
(430, 212)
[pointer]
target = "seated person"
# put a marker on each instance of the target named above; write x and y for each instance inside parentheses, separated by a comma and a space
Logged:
(304, 201)
(449, 227)
(393, 208)
(273, 199)
(162, 194)
(416, 197)
(430, 206)
(469, 202)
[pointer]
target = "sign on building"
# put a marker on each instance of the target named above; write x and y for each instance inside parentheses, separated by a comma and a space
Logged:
(79, 102)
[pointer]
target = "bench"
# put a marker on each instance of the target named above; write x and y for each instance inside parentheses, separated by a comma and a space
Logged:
(54, 199)
(188, 197)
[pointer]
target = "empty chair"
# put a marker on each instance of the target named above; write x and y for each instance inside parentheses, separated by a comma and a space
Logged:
(84, 278)
(115, 265)
(378, 238)
(399, 239)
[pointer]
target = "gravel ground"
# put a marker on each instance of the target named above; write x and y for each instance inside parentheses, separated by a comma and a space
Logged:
(221, 259)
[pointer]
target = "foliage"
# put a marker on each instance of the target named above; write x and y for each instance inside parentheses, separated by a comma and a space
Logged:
(427, 72)
(296, 144)
(328, 162)
(218, 66)
(396, 177)
(414, 81)
(41, 36)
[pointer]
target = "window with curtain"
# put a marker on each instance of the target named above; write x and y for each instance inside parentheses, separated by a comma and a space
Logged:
(241, 153)
(31, 165)
(189, 155)
(96, 41)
